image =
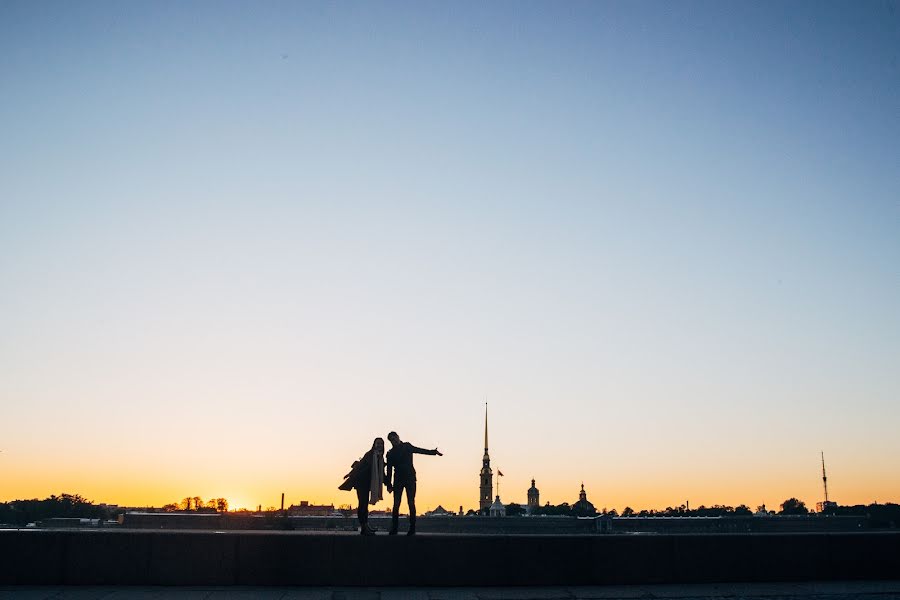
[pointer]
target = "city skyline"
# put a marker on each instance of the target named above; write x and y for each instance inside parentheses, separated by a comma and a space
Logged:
(511, 495)
(238, 241)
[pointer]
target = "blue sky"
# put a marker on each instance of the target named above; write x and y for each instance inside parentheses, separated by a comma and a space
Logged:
(642, 230)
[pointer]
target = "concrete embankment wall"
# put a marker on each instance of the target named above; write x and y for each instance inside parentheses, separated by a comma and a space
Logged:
(556, 525)
(459, 525)
(243, 558)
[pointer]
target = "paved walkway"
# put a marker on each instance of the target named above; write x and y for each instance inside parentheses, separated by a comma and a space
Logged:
(856, 590)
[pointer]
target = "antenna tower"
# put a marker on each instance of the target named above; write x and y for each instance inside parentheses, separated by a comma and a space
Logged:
(824, 478)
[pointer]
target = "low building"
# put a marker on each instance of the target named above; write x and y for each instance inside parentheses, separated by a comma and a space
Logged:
(305, 509)
(440, 511)
(69, 522)
(497, 509)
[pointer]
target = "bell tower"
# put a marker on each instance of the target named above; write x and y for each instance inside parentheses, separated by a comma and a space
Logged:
(487, 476)
(534, 499)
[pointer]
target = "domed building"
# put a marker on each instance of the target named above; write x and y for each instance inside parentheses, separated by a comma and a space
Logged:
(583, 508)
(497, 508)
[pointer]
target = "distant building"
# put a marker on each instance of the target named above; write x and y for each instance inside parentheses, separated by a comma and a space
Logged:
(534, 500)
(583, 508)
(440, 511)
(60, 522)
(305, 509)
(487, 476)
(497, 509)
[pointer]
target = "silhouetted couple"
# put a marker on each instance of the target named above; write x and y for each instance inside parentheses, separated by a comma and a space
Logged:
(370, 473)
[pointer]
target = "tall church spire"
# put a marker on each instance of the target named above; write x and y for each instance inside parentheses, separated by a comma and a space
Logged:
(485, 429)
(487, 475)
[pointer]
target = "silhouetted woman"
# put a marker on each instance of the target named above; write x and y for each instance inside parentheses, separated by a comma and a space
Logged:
(367, 476)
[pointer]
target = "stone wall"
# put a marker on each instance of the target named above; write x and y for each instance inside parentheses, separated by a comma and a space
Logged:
(259, 558)
(556, 525)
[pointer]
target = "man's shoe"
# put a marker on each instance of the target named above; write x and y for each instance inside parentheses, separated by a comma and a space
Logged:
(392, 532)
(366, 531)
(411, 532)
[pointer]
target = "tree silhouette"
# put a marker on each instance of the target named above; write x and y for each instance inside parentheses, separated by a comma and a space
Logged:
(514, 510)
(628, 512)
(792, 506)
(65, 505)
(562, 509)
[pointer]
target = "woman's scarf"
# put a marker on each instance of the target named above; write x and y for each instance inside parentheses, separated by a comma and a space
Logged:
(377, 480)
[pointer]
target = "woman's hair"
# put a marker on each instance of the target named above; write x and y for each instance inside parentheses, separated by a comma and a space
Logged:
(378, 439)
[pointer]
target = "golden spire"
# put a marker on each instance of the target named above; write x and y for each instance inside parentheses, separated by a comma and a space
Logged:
(485, 429)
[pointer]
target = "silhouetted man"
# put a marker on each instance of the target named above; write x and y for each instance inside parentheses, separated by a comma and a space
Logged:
(400, 464)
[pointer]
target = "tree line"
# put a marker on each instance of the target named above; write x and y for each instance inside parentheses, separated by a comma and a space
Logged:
(197, 504)
(22, 512)
(567, 510)
(880, 515)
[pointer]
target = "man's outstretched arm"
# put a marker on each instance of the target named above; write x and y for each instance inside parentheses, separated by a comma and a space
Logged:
(387, 478)
(434, 452)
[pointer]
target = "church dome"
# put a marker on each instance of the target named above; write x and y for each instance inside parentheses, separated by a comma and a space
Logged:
(584, 507)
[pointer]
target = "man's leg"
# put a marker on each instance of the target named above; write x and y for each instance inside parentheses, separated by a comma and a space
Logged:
(395, 515)
(411, 500)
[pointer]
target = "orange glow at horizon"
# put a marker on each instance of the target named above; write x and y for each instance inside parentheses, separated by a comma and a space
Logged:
(614, 489)
(652, 469)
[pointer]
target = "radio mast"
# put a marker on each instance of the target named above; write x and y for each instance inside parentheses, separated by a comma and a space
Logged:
(824, 478)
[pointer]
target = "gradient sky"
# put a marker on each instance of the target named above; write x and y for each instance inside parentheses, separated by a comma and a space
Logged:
(239, 240)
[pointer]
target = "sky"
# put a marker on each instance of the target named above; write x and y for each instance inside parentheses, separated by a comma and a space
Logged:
(239, 240)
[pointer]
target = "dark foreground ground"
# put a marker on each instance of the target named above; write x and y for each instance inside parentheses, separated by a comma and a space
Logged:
(856, 590)
(183, 558)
